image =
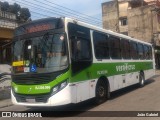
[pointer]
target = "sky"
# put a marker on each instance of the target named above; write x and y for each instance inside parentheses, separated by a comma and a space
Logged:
(47, 8)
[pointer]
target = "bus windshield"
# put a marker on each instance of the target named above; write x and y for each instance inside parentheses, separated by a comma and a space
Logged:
(41, 54)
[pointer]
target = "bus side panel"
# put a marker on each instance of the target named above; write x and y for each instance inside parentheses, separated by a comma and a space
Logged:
(132, 78)
(83, 90)
(73, 90)
(118, 82)
(149, 73)
(111, 83)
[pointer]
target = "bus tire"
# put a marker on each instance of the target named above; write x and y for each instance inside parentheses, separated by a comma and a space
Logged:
(102, 92)
(141, 79)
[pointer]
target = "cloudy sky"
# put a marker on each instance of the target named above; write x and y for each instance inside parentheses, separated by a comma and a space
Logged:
(56, 8)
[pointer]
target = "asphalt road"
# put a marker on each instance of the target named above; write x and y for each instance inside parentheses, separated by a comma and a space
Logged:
(123, 102)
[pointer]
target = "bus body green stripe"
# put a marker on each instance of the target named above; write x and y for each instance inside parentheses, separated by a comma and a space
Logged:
(95, 71)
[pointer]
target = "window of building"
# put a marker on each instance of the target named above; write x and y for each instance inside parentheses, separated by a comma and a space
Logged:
(123, 21)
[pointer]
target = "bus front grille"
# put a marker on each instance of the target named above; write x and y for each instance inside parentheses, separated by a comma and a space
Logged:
(32, 98)
(33, 79)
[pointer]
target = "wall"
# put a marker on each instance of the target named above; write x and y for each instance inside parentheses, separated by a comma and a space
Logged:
(6, 33)
(142, 23)
(110, 15)
(123, 8)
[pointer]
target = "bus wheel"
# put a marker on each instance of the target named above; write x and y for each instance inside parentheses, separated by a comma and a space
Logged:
(102, 92)
(141, 80)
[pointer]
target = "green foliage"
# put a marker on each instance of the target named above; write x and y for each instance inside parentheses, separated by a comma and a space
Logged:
(22, 14)
(4, 6)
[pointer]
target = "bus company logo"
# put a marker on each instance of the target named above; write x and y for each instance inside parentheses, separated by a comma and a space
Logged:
(30, 89)
(125, 67)
(16, 89)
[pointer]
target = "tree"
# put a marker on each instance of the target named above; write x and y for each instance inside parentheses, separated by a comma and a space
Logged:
(15, 8)
(4, 6)
(24, 14)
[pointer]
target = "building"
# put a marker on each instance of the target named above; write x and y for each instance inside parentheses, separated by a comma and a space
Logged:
(139, 19)
(7, 25)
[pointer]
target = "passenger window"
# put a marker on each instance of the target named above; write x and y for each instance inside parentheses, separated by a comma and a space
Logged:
(81, 49)
(140, 51)
(115, 49)
(134, 50)
(150, 53)
(125, 49)
(101, 45)
(146, 52)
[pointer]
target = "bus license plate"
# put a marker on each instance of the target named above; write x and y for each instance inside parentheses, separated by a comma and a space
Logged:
(30, 100)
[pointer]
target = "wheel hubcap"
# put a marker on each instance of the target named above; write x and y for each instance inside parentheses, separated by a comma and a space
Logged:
(101, 91)
(142, 81)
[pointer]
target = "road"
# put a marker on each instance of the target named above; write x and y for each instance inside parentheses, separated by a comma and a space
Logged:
(131, 98)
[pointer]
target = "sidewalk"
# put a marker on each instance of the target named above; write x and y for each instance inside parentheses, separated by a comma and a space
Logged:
(5, 97)
(5, 103)
(157, 72)
(5, 83)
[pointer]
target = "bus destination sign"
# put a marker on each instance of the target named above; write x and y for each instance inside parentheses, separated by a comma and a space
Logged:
(40, 27)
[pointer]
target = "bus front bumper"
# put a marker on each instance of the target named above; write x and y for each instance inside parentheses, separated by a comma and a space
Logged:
(63, 97)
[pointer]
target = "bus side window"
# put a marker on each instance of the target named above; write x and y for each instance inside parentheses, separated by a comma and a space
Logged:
(125, 48)
(146, 52)
(81, 49)
(101, 45)
(140, 51)
(115, 49)
(134, 50)
(150, 53)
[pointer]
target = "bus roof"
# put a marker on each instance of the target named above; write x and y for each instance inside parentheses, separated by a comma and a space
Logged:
(88, 26)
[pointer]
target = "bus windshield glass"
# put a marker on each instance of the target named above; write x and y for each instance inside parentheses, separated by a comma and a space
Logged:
(41, 54)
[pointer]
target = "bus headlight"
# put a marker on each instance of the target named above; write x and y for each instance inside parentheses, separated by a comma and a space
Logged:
(55, 89)
(59, 87)
(64, 84)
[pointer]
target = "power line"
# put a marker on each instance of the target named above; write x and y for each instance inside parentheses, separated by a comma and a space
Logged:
(74, 14)
(72, 10)
(32, 6)
(83, 19)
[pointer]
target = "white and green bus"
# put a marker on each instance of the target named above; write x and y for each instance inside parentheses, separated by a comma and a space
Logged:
(58, 61)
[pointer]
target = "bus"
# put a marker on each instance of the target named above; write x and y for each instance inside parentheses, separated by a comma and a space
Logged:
(59, 61)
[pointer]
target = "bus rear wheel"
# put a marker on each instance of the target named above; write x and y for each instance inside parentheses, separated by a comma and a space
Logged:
(102, 92)
(141, 79)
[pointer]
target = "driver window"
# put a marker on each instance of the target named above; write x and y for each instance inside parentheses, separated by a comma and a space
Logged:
(81, 49)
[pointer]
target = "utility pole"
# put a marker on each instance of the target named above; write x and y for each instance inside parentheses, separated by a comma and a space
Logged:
(117, 25)
(152, 38)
